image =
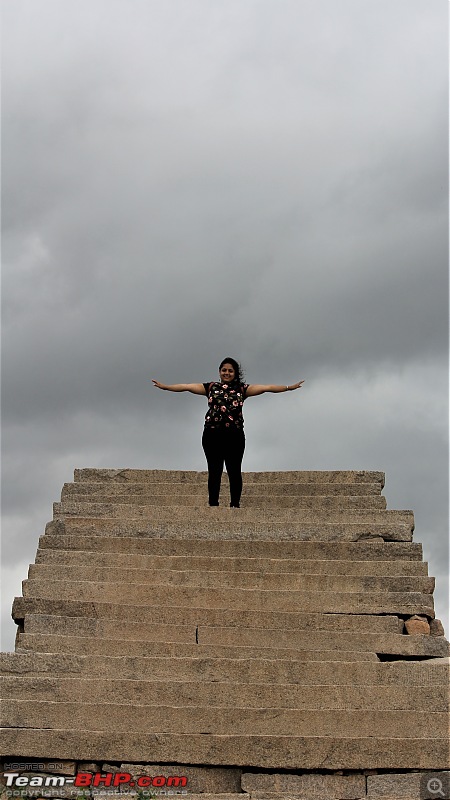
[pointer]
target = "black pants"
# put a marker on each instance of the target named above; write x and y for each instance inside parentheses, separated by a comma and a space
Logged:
(224, 445)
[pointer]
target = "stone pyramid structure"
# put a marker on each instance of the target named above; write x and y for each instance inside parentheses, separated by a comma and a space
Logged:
(286, 649)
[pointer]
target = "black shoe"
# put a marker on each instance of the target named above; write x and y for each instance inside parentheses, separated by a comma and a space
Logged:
(232, 506)
(213, 504)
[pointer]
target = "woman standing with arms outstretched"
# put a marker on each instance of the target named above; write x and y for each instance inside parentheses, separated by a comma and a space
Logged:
(223, 435)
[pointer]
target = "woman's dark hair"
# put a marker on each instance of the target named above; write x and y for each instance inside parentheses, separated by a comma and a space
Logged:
(239, 375)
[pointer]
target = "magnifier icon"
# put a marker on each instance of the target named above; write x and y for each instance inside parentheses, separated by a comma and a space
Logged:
(434, 786)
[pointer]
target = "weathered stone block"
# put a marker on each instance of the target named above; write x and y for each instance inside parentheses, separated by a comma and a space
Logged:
(282, 476)
(417, 625)
(117, 647)
(110, 537)
(232, 579)
(130, 622)
(369, 601)
(307, 786)
(411, 786)
(263, 722)
(125, 491)
(88, 766)
(228, 695)
(264, 752)
(436, 628)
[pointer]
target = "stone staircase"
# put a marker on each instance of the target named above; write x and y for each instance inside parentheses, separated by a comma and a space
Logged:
(287, 649)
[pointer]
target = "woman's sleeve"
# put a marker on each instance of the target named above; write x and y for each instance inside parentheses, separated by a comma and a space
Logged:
(207, 385)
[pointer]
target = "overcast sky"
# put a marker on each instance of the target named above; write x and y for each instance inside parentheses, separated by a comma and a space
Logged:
(185, 180)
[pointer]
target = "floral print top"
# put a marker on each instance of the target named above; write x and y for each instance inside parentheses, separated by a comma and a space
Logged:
(225, 402)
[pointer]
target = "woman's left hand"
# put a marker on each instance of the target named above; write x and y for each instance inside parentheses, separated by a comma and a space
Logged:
(295, 386)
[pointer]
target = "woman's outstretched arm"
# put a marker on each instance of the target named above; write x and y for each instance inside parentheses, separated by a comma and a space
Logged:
(255, 388)
(194, 388)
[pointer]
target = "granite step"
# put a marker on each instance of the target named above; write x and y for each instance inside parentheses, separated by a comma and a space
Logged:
(316, 786)
(257, 489)
(410, 674)
(310, 786)
(57, 538)
(213, 528)
(128, 621)
(227, 517)
(221, 720)
(209, 693)
(272, 752)
(206, 578)
(82, 645)
(397, 644)
(200, 632)
(401, 785)
(313, 505)
(369, 601)
(286, 476)
(271, 639)
(122, 561)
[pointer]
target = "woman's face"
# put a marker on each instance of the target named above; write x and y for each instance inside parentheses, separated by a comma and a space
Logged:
(227, 373)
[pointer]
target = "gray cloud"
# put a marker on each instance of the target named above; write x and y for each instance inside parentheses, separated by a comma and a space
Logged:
(184, 181)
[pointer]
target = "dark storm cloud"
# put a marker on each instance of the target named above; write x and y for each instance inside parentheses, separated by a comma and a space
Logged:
(184, 181)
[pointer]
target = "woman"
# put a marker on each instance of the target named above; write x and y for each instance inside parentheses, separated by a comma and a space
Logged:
(223, 436)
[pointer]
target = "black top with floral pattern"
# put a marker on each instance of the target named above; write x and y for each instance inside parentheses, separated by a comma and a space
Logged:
(225, 404)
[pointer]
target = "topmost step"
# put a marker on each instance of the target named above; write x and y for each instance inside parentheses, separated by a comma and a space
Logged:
(288, 476)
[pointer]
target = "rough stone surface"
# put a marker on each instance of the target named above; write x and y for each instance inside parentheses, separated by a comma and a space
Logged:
(368, 601)
(89, 766)
(182, 650)
(210, 529)
(246, 565)
(268, 752)
(436, 628)
(73, 619)
(412, 786)
(234, 637)
(70, 535)
(336, 510)
(100, 491)
(290, 476)
(433, 672)
(280, 501)
(235, 579)
(311, 787)
(269, 671)
(198, 719)
(222, 694)
(417, 625)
